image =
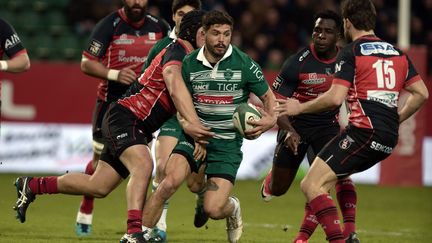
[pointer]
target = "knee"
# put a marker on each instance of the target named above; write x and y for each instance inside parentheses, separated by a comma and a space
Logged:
(195, 186)
(101, 192)
(305, 186)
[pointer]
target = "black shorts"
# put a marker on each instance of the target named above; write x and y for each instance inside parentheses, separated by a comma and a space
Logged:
(357, 149)
(98, 113)
(121, 129)
(313, 139)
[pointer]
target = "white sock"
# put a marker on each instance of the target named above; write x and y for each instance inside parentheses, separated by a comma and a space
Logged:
(236, 206)
(83, 218)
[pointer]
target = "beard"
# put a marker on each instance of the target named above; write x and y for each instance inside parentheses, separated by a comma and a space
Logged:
(215, 53)
(135, 13)
(348, 36)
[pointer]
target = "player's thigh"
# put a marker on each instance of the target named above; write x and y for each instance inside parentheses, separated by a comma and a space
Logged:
(163, 148)
(137, 158)
(176, 170)
(105, 178)
(319, 179)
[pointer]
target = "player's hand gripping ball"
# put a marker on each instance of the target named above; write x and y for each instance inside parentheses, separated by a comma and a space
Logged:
(242, 114)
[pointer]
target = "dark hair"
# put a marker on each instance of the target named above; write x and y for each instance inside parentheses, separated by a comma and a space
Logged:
(217, 17)
(361, 13)
(189, 26)
(330, 14)
(177, 4)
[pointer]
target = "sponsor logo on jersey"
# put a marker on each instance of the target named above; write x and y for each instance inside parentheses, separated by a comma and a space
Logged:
(384, 48)
(200, 87)
(218, 100)
(12, 41)
(346, 143)
(313, 79)
(328, 71)
(228, 74)
(187, 144)
(304, 55)
(388, 98)
(123, 40)
(95, 47)
(381, 148)
(123, 58)
(257, 71)
(277, 83)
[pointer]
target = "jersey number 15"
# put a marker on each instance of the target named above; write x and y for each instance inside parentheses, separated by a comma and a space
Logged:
(386, 77)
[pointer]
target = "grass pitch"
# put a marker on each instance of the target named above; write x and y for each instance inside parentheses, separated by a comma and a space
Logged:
(384, 214)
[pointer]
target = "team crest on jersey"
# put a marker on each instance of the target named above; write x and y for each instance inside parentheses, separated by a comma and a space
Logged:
(346, 143)
(95, 47)
(152, 36)
(228, 74)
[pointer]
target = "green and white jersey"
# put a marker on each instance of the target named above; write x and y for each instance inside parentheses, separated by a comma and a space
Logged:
(158, 47)
(216, 91)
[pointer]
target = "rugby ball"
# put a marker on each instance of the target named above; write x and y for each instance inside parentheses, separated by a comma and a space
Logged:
(242, 114)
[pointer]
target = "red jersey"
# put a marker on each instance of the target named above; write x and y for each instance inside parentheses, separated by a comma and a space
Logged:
(375, 72)
(118, 43)
(150, 88)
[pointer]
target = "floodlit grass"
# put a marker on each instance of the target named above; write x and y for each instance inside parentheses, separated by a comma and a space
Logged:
(385, 214)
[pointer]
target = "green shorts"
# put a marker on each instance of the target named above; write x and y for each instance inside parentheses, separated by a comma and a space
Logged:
(171, 128)
(223, 156)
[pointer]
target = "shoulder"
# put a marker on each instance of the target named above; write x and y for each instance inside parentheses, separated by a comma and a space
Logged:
(192, 56)
(157, 21)
(111, 20)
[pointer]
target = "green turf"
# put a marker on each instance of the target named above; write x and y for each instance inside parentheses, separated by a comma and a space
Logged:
(385, 214)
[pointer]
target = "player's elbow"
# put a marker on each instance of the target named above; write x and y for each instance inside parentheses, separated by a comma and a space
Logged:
(336, 101)
(424, 93)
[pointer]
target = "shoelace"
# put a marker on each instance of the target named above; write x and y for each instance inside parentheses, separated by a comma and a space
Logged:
(23, 198)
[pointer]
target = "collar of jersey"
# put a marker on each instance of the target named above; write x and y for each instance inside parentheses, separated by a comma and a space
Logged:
(201, 57)
(172, 34)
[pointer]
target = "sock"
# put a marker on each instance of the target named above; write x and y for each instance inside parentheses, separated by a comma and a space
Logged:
(347, 199)
(43, 185)
(308, 225)
(236, 206)
(327, 215)
(200, 197)
(161, 224)
(87, 202)
(134, 221)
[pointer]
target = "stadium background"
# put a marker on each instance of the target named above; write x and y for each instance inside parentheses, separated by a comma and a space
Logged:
(46, 111)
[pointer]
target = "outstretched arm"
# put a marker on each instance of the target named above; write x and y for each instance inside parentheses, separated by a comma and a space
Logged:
(331, 99)
(183, 103)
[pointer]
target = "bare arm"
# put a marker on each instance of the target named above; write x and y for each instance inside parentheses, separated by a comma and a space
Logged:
(183, 102)
(17, 64)
(331, 99)
(98, 70)
(417, 97)
(269, 117)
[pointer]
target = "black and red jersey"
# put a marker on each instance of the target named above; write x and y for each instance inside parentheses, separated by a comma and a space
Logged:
(118, 43)
(10, 43)
(305, 76)
(150, 88)
(375, 72)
